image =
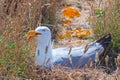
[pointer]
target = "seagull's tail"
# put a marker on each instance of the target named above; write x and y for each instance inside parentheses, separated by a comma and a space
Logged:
(105, 41)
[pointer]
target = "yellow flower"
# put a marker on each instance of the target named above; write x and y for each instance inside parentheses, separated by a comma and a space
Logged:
(64, 25)
(67, 21)
(71, 12)
(78, 30)
(60, 36)
(84, 33)
(78, 33)
(67, 34)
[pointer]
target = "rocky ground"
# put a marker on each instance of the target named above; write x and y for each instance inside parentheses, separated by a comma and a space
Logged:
(84, 22)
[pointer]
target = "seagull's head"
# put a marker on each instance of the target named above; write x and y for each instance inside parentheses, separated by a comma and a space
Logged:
(41, 33)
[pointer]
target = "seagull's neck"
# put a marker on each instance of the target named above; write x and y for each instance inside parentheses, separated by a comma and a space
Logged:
(46, 46)
(44, 53)
(43, 44)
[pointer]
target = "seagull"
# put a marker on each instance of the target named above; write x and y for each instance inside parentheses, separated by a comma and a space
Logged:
(75, 57)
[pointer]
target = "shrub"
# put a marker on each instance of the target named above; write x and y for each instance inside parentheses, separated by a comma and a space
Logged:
(107, 20)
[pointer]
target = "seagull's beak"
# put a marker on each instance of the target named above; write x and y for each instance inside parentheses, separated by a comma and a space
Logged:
(32, 34)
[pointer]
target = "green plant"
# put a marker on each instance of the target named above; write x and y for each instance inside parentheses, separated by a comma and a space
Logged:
(16, 52)
(107, 20)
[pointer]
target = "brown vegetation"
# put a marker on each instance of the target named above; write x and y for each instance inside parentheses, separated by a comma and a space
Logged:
(16, 52)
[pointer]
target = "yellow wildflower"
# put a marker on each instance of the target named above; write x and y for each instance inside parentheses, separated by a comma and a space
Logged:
(64, 25)
(67, 21)
(78, 33)
(60, 36)
(67, 34)
(84, 33)
(71, 12)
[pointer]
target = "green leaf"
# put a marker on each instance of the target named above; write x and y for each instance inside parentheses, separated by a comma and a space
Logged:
(11, 63)
(11, 45)
(99, 11)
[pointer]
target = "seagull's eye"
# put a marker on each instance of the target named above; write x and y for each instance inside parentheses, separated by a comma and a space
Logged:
(43, 30)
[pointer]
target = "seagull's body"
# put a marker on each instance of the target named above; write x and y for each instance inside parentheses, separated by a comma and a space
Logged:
(69, 57)
(77, 57)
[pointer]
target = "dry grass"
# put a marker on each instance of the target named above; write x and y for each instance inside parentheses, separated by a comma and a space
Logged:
(16, 18)
(106, 21)
(16, 52)
(60, 73)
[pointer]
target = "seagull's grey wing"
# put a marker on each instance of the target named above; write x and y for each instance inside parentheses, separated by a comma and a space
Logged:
(77, 57)
(64, 57)
(90, 55)
(60, 53)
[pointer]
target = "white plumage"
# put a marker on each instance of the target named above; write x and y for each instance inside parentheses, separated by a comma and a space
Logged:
(70, 57)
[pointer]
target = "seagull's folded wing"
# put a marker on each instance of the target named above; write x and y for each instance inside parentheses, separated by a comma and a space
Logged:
(77, 57)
